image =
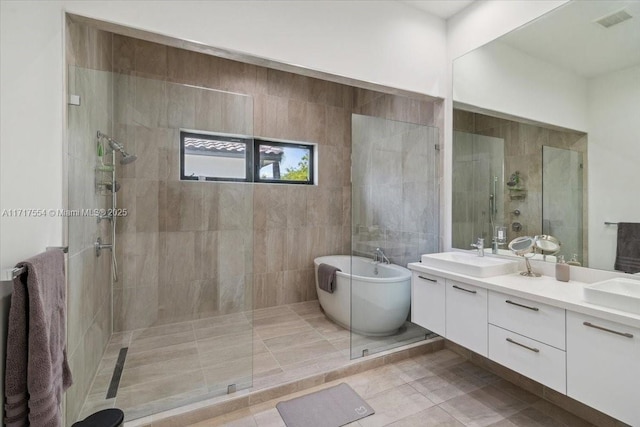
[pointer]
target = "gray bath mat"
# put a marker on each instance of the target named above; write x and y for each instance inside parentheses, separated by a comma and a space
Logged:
(335, 406)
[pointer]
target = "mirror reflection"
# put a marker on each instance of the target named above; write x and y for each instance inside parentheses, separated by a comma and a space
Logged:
(545, 133)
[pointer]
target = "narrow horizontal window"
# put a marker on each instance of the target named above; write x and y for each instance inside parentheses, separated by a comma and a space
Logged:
(211, 157)
(214, 157)
(283, 162)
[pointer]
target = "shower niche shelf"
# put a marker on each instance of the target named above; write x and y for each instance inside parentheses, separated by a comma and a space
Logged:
(517, 193)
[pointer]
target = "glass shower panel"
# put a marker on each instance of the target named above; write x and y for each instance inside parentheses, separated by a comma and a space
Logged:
(395, 217)
(562, 199)
(89, 277)
(478, 199)
(182, 302)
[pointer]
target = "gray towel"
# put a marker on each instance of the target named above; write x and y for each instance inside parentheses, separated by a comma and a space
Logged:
(327, 277)
(37, 372)
(628, 251)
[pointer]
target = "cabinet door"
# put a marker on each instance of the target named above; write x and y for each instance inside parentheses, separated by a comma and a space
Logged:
(603, 366)
(466, 316)
(427, 302)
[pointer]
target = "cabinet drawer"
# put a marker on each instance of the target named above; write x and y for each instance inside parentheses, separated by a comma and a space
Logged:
(466, 316)
(540, 322)
(531, 358)
(428, 302)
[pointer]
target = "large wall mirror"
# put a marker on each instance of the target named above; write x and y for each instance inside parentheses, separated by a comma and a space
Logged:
(547, 132)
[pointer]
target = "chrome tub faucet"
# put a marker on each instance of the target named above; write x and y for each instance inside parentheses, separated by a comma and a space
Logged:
(379, 256)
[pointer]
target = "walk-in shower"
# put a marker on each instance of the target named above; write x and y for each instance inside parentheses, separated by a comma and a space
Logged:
(212, 289)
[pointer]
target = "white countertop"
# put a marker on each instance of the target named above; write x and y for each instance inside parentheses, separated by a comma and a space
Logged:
(544, 289)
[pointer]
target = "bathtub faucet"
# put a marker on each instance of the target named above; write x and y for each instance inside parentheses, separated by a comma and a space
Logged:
(379, 256)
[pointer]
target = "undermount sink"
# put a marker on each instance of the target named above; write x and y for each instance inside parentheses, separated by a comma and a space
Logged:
(623, 294)
(470, 264)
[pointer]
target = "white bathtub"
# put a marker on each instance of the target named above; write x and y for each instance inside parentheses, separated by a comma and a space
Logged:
(381, 295)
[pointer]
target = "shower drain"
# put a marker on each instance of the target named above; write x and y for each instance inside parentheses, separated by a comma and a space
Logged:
(117, 373)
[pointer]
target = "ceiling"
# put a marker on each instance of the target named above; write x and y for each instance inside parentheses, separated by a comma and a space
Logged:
(569, 37)
(441, 8)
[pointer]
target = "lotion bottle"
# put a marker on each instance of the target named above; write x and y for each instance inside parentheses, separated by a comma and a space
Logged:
(562, 270)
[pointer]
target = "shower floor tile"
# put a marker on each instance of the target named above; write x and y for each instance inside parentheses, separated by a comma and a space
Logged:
(176, 364)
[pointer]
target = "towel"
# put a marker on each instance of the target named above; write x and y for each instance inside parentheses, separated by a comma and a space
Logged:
(37, 372)
(327, 277)
(628, 251)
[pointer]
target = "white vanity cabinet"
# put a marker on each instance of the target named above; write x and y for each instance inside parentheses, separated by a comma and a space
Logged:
(528, 337)
(466, 315)
(428, 302)
(603, 366)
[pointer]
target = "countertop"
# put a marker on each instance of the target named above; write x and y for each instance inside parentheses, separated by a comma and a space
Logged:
(544, 289)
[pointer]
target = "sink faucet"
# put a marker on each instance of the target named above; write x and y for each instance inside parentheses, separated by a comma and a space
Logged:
(379, 256)
(479, 245)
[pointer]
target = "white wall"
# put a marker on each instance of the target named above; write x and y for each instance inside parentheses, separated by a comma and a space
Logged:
(614, 152)
(500, 78)
(384, 42)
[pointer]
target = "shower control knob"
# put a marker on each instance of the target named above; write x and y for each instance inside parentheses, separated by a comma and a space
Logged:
(516, 212)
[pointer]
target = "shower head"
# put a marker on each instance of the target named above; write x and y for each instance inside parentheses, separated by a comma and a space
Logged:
(128, 158)
(116, 146)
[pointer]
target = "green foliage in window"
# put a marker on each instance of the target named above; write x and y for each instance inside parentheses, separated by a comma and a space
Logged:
(299, 173)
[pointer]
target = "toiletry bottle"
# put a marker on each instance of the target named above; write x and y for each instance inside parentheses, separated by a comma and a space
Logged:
(574, 261)
(562, 270)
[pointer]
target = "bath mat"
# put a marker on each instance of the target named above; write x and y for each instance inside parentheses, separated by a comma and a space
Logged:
(331, 407)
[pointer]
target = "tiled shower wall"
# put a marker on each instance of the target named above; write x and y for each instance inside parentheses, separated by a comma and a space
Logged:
(89, 277)
(523, 144)
(291, 224)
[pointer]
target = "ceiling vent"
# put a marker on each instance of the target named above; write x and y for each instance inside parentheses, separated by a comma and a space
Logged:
(613, 19)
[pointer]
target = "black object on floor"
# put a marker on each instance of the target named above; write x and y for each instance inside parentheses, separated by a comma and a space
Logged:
(117, 373)
(113, 417)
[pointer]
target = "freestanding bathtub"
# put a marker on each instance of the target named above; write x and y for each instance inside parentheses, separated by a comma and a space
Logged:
(381, 297)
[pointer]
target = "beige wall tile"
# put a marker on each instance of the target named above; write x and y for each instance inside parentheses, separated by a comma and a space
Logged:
(151, 58)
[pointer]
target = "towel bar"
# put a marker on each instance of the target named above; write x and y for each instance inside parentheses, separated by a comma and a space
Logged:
(610, 223)
(11, 273)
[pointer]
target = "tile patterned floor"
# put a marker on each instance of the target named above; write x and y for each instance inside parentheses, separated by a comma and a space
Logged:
(436, 389)
(176, 364)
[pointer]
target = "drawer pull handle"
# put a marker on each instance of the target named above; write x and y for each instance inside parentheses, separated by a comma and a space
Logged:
(426, 278)
(463, 289)
(523, 306)
(624, 334)
(535, 350)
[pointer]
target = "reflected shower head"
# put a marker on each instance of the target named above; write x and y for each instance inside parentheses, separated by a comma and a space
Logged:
(116, 146)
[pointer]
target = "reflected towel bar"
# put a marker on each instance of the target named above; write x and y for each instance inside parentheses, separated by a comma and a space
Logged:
(12, 273)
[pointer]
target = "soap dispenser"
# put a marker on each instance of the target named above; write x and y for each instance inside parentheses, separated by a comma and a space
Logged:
(562, 270)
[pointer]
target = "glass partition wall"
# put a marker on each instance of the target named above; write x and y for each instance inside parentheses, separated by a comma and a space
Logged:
(478, 188)
(179, 302)
(562, 200)
(395, 194)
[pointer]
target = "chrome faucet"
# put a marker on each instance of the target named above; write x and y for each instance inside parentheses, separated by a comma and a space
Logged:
(479, 245)
(379, 256)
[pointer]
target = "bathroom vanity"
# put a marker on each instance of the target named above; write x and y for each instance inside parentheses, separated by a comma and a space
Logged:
(538, 327)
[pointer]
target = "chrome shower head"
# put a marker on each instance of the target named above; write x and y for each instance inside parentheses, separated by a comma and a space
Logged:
(116, 146)
(128, 158)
